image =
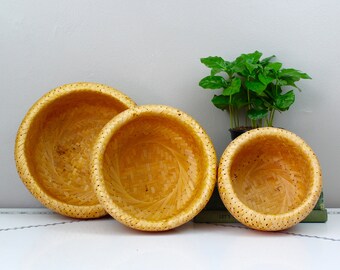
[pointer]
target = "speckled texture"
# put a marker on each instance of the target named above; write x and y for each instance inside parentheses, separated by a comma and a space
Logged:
(269, 179)
(54, 144)
(153, 168)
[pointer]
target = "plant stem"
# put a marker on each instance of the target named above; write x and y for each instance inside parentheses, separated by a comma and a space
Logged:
(272, 112)
(271, 118)
(238, 118)
(231, 115)
(253, 122)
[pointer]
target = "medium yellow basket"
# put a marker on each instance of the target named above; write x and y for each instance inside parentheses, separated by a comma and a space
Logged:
(54, 144)
(153, 168)
(269, 179)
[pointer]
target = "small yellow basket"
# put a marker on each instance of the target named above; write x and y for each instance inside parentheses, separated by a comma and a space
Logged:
(153, 168)
(54, 145)
(269, 179)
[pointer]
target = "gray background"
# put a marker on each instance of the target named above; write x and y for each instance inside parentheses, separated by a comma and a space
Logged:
(150, 50)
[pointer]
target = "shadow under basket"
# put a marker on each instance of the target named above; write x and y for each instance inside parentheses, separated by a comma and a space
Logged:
(54, 144)
(269, 179)
(153, 168)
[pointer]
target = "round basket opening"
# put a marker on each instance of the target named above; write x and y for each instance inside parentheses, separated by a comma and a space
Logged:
(156, 169)
(271, 174)
(269, 179)
(57, 136)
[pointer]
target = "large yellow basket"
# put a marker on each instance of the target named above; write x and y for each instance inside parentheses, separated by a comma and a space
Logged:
(269, 179)
(54, 145)
(153, 168)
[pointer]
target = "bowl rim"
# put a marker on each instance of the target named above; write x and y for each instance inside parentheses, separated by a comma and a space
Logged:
(97, 166)
(273, 222)
(21, 160)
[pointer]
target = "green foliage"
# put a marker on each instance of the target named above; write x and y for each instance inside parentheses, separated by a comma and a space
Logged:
(221, 102)
(213, 82)
(252, 87)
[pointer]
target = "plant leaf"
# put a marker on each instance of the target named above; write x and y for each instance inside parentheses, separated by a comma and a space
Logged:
(214, 71)
(251, 67)
(275, 66)
(254, 114)
(239, 67)
(239, 100)
(214, 62)
(233, 88)
(265, 79)
(293, 74)
(283, 102)
(266, 60)
(255, 86)
(252, 57)
(257, 103)
(287, 82)
(213, 82)
(221, 102)
(246, 63)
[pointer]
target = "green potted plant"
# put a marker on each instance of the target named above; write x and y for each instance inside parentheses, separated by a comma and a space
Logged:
(251, 89)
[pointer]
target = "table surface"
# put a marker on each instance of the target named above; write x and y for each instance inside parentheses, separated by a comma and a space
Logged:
(39, 239)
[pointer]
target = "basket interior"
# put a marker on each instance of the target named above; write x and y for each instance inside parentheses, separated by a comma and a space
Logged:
(271, 175)
(153, 168)
(59, 144)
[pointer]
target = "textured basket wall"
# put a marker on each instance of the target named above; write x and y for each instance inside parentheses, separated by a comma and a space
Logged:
(54, 144)
(269, 179)
(153, 167)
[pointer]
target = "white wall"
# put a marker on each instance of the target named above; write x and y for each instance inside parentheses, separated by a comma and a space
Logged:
(150, 50)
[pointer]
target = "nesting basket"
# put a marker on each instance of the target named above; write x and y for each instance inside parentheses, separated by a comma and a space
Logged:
(86, 149)
(54, 145)
(153, 168)
(269, 179)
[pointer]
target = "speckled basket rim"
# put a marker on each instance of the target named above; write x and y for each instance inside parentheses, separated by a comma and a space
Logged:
(54, 204)
(231, 201)
(97, 167)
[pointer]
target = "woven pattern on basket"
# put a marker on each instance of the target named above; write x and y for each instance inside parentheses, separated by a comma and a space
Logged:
(271, 176)
(269, 179)
(152, 168)
(63, 150)
(55, 142)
